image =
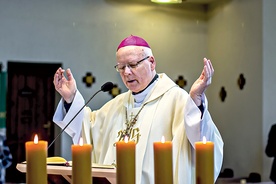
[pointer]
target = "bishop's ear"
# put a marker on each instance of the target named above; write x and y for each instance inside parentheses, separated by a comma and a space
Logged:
(152, 61)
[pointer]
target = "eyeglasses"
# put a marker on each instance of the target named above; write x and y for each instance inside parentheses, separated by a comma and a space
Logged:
(121, 67)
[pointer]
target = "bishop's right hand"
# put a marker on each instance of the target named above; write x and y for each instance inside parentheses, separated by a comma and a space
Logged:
(66, 87)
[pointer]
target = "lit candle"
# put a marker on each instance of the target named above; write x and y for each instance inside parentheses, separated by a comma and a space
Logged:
(81, 163)
(163, 167)
(204, 162)
(36, 154)
(125, 155)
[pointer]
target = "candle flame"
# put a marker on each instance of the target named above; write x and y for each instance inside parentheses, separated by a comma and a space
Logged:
(204, 140)
(81, 141)
(126, 139)
(163, 139)
(35, 139)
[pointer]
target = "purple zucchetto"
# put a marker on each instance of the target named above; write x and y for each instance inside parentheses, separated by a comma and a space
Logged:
(133, 41)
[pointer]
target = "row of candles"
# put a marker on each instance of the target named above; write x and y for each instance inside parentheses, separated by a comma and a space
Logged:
(36, 153)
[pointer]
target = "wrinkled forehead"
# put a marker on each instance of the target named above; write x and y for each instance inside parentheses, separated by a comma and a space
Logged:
(131, 53)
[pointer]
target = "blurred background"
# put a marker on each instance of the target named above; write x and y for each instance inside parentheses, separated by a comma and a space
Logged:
(37, 37)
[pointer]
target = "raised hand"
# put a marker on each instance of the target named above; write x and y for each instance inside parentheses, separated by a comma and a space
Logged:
(66, 87)
(201, 84)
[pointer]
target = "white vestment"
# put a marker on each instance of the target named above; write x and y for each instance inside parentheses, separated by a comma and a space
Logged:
(169, 112)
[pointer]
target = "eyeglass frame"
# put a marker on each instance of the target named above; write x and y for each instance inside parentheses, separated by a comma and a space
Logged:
(130, 65)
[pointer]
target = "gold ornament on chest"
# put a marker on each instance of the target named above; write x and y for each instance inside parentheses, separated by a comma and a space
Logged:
(132, 133)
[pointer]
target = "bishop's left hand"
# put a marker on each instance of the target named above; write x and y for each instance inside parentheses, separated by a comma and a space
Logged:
(201, 84)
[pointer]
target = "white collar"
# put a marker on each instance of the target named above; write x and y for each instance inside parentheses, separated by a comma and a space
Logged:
(140, 97)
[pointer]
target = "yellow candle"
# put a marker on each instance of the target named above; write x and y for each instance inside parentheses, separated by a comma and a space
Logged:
(163, 167)
(204, 162)
(125, 155)
(81, 163)
(36, 154)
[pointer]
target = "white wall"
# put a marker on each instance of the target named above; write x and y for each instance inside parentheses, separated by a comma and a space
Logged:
(269, 75)
(235, 39)
(241, 39)
(84, 35)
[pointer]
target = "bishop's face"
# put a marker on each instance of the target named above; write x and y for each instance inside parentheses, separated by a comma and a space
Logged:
(135, 67)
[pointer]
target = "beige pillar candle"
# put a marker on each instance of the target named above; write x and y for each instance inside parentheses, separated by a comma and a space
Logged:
(204, 162)
(36, 154)
(163, 166)
(81, 163)
(125, 156)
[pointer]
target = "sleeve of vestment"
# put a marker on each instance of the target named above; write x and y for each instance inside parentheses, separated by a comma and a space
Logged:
(197, 127)
(270, 149)
(61, 118)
